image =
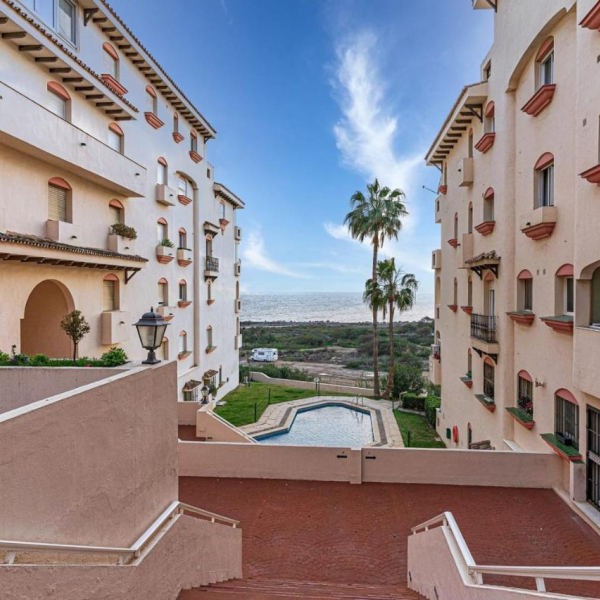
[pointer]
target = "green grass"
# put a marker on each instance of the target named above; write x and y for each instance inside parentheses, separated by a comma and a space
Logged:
(421, 435)
(239, 409)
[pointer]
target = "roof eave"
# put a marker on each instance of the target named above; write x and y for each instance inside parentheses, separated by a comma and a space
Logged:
(227, 195)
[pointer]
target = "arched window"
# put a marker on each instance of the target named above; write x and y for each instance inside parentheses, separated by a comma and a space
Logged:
(183, 291)
(470, 219)
(455, 226)
(59, 101)
(595, 320)
(116, 138)
(237, 290)
(151, 100)
(164, 349)
(209, 247)
(566, 418)
(162, 230)
(544, 181)
(220, 375)
(193, 141)
(222, 213)
(565, 290)
(545, 64)
(525, 392)
(116, 211)
(488, 205)
(471, 143)
(209, 337)
(470, 292)
(183, 344)
(162, 172)
(163, 292)
(176, 133)
(60, 200)
(185, 190)
(110, 61)
(488, 378)
(182, 238)
(110, 296)
(469, 364)
(525, 290)
(209, 297)
(489, 121)
(455, 293)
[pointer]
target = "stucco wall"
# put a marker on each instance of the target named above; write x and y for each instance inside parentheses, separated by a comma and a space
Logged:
(93, 466)
(310, 385)
(387, 465)
(20, 386)
(192, 553)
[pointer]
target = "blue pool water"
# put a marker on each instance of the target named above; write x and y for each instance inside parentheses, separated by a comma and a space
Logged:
(326, 426)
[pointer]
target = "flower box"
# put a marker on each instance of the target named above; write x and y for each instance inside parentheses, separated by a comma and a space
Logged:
(467, 381)
(488, 403)
(165, 254)
(184, 257)
(560, 323)
(486, 227)
(567, 452)
(523, 317)
(521, 416)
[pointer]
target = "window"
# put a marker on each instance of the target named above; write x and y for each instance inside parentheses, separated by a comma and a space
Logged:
(193, 142)
(469, 363)
(488, 380)
(209, 291)
(569, 295)
(110, 61)
(162, 230)
(175, 123)
(488, 209)
(162, 173)
(222, 211)
(182, 238)
(66, 21)
(545, 64)
(487, 71)
(525, 392)
(59, 101)
(208, 246)
(220, 376)
(151, 100)
(163, 292)
(110, 298)
(489, 121)
(470, 292)
(596, 298)
(183, 187)
(470, 143)
(544, 169)
(528, 294)
(59, 200)
(183, 343)
(525, 290)
(183, 291)
(470, 219)
(565, 291)
(566, 419)
(117, 212)
(209, 337)
(456, 226)
(164, 349)
(455, 293)
(116, 137)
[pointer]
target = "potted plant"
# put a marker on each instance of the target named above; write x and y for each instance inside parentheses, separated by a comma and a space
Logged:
(184, 256)
(164, 251)
(121, 238)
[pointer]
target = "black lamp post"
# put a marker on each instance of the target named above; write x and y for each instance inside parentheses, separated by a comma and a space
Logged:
(151, 329)
(205, 391)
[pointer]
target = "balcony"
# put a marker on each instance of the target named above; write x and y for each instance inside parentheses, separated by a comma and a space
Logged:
(466, 249)
(237, 233)
(237, 268)
(211, 267)
(466, 170)
(120, 244)
(438, 214)
(237, 305)
(32, 129)
(484, 334)
(60, 231)
(436, 259)
(540, 223)
(435, 368)
(165, 254)
(165, 195)
(115, 327)
(184, 257)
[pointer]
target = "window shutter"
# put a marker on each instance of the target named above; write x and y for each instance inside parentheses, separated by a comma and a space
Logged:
(109, 295)
(57, 203)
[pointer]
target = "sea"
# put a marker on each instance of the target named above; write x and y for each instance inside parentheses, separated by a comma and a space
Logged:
(336, 307)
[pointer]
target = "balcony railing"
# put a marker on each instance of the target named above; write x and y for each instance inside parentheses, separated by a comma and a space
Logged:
(483, 327)
(212, 263)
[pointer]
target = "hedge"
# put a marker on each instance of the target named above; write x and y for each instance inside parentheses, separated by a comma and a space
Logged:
(413, 402)
(431, 403)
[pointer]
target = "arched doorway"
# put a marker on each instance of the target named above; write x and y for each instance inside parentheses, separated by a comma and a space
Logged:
(47, 304)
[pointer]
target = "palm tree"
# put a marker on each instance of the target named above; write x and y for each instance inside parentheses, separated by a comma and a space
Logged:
(376, 217)
(397, 290)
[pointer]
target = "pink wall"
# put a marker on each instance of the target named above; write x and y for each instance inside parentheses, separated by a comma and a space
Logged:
(191, 553)
(94, 466)
(388, 465)
(20, 386)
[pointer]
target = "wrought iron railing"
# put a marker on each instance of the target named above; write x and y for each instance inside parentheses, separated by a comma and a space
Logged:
(212, 263)
(483, 327)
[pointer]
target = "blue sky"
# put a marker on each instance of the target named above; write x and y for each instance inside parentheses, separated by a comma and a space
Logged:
(311, 99)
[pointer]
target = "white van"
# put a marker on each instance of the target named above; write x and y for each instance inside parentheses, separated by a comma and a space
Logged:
(264, 354)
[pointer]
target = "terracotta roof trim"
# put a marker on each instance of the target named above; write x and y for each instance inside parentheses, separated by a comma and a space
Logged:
(228, 195)
(484, 256)
(32, 240)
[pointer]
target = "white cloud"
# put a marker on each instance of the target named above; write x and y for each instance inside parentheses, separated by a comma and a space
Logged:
(338, 232)
(255, 255)
(367, 133)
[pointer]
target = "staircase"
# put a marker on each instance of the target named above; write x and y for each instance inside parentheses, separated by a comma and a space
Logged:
(271, 589)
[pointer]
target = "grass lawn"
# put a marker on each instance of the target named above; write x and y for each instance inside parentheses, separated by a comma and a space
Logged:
(239, 409)
(421, 435)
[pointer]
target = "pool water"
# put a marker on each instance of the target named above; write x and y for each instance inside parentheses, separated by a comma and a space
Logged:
(326, 426)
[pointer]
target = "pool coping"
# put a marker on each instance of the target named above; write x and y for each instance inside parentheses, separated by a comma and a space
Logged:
(278, 418)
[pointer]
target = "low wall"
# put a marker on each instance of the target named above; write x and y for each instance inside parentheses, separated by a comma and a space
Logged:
(92, 466)
(386, 465)
(186, 412)
(20, 386)
(211, 427)
(310, 385)
(190, 554)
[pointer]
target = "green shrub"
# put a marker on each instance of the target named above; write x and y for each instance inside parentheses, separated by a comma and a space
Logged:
(407, 378)
(414, 402)
(282, 372)
(115, 357)
(431, 403)
(124, 231)
(39, 360)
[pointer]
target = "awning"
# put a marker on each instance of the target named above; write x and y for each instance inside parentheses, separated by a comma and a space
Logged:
(485, 261)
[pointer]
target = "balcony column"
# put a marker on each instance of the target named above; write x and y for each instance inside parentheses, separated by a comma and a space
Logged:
(198, 234)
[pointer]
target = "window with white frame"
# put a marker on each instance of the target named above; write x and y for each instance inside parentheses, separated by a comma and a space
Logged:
(67, 20)
(545, 182)
(546, 69)
(182, 238)
(151, 101)
(488, 380)
(110, 61)
(59, 198)
(183, 342)
(222, 211)
(161, 172)
(193, 142)
(183, 187)
(115, 138)
(163, 293)
(568, 295)
(183, 291)
(58, 101)
(110, 299)
(566, 420)
(162, 231)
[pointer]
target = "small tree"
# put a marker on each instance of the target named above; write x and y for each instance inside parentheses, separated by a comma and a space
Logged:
(76, 327)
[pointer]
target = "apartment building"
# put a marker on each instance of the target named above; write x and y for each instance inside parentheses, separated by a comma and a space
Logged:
(108, 204)
(517, 275)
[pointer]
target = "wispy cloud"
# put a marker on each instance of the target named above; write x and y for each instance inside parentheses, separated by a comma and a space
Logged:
(255, 255)
(367, 133)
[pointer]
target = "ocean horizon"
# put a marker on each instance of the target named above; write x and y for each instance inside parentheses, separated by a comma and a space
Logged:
(307, 307)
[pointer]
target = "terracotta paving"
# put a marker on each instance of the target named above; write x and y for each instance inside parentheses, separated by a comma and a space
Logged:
(187, 433)
(356, 534)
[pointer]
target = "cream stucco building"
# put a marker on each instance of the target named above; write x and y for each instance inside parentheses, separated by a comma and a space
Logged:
(517, 277)
(93, 133)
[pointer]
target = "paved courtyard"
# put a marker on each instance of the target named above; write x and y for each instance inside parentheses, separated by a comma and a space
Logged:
(342, 533)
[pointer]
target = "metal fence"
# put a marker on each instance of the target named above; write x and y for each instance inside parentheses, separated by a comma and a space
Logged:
(483, 327)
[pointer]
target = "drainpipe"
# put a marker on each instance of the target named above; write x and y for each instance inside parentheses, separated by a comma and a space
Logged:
(197, 274)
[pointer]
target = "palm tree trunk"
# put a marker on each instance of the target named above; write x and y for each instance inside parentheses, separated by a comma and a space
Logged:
(390, 382)
(376, 390)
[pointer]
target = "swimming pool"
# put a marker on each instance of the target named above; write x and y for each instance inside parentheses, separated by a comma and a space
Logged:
(325, 426)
